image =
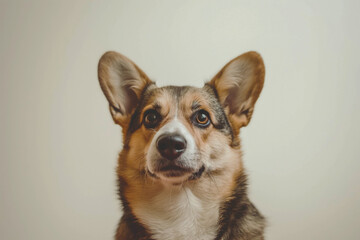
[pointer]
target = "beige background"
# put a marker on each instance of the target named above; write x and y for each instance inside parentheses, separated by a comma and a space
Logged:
(59, 145)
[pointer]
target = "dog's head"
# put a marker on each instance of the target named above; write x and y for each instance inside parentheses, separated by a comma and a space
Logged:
(176, 134)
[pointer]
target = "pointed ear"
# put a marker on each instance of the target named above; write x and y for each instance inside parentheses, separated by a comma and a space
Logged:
(238, 86)
(122, 83)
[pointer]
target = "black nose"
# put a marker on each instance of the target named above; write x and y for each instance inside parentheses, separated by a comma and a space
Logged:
(171, 146)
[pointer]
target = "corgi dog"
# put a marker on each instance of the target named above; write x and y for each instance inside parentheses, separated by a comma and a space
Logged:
(180, 172)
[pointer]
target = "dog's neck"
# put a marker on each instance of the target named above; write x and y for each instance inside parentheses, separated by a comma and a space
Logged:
(180, 213)
(204, 210)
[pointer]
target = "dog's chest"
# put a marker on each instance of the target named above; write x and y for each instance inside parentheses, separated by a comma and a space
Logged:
(179, 216)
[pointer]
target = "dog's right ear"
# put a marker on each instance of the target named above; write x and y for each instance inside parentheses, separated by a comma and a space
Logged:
(122, 83)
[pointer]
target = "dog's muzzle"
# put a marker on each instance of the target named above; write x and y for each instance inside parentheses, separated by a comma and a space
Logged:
(175, 161)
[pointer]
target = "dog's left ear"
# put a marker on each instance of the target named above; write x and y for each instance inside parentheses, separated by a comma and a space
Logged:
(238, 86)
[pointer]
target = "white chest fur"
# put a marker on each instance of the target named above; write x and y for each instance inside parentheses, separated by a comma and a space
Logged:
(179, 215)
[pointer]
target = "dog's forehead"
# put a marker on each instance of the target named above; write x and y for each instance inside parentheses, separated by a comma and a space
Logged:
(179, 96)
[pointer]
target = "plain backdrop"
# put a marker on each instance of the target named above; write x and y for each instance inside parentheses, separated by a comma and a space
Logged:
(59, 145)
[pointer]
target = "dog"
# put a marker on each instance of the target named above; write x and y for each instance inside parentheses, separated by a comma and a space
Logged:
(180, 172)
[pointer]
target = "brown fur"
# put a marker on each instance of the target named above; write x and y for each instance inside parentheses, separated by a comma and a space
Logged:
(218, 144)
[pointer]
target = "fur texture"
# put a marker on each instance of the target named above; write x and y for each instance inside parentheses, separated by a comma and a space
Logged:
(201, 193)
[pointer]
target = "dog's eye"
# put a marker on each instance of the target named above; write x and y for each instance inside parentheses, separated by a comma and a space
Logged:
(151, 118)
(201, 119)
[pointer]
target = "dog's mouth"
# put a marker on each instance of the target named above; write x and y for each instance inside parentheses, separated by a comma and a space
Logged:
(176, 174)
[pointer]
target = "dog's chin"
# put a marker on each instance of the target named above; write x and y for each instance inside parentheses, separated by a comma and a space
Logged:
(174, 175)
(173, 178)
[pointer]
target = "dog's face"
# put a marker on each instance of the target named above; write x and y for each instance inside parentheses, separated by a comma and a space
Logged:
(180, 132)
(177, 134)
